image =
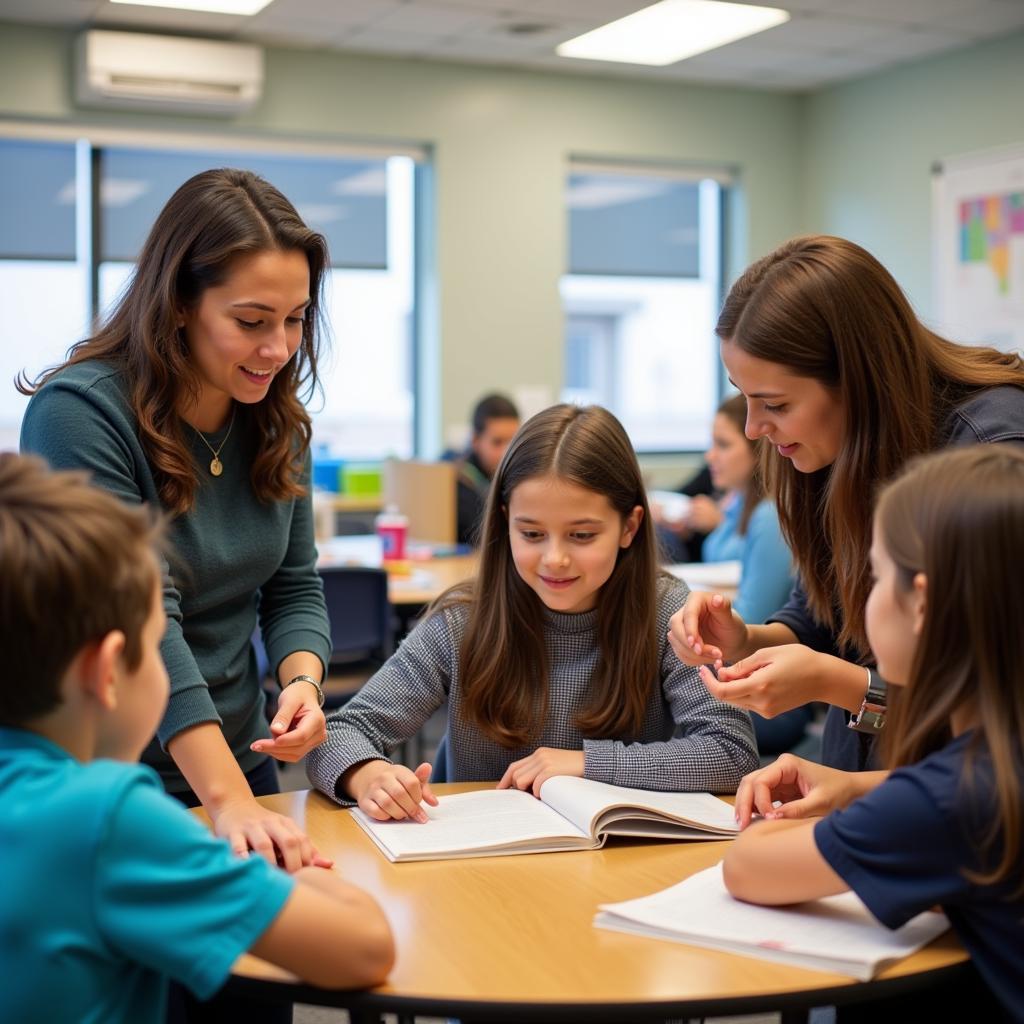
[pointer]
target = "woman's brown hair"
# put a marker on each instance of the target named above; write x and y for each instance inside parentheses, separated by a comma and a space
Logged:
(825, 308)
(504, 661)
(734, 409)
(958, 518)
(211, 221)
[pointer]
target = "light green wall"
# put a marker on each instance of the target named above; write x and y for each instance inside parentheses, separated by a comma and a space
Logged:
(869, 147)
(500, 139)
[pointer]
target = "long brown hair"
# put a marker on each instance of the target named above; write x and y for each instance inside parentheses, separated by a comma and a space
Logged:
(825, 308)
(734, 409)
(958, 518)
(212, 220)
(504, 662)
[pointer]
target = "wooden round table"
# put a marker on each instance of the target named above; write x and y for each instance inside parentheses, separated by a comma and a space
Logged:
(505, 938)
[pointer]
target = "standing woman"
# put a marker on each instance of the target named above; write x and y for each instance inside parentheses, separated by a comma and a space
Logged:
(187, 398)
(846, 384)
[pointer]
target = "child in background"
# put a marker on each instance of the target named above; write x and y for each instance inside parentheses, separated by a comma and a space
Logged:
(495, 422)
(945, 826)
(749, 532)
(555, 660)
(115, 887)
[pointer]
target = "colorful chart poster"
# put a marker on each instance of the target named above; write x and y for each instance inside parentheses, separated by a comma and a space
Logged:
(979, 248)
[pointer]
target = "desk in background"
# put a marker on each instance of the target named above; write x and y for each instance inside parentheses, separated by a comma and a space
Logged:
(720, 577)
(427, 578)
(511, 938)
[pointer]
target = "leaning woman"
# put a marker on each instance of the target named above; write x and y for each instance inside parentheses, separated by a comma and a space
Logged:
(845, 385)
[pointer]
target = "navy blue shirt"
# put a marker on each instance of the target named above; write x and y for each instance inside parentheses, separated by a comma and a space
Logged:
(903, 849)
(990, 416)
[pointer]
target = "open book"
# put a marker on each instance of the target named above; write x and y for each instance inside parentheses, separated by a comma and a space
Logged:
(836, 934)
(572, 814)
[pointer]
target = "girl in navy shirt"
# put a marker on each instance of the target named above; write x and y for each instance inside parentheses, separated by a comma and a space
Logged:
(944, 826)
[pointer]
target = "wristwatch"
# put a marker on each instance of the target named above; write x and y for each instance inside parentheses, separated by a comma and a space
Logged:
(871, 716)
(311, 681)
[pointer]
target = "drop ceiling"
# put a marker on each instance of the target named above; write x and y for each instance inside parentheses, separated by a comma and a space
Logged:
(826, 41)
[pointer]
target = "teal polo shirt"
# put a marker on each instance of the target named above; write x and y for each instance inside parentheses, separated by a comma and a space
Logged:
(111, 888)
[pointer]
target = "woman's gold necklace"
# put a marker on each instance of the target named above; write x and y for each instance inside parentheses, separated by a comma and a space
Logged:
(216, 466)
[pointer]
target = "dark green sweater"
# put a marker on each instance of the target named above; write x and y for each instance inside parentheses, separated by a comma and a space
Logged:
(233, 558)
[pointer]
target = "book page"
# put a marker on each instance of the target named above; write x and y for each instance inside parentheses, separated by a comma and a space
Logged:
(473, 821)
(836, 933)
(595, 806)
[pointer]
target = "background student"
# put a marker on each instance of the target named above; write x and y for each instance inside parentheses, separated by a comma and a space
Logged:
(846, 385)
(945, 827)
(750, 533)
(682, 540)
(554, 661)
(114, 887)
(495, 422)
(187, 398)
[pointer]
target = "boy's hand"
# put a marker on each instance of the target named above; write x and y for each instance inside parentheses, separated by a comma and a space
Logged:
(247, 825)
(532, 772)
(391, 792)
(802, 788)
(298, 726)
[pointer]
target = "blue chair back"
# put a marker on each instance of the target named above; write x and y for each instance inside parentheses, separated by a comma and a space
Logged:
(359, 613)
(439, 770)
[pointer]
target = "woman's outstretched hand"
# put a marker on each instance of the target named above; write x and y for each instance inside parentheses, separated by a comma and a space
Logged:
(706, 630)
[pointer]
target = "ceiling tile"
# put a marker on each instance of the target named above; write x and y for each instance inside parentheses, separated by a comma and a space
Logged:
(908, 12)
(909, 43)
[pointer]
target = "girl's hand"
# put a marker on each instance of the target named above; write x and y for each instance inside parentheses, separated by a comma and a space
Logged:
(704, 514)
(803, 788)
(298, 726)
(247, 825)
(391, 792)
(706, 630)
(532, 772)
(770, 681)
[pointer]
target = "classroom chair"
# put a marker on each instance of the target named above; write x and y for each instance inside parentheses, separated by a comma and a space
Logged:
(362, 631)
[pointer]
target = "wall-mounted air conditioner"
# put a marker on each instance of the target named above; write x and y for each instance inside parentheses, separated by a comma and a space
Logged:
(130, 70)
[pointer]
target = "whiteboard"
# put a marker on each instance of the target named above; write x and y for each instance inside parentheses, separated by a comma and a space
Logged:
(978, 247)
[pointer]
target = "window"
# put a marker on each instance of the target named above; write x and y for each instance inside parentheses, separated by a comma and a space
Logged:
(43, 289)
(363, 205)
(640, 301)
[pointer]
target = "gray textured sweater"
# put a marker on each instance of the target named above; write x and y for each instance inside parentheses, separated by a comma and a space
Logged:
(233, 557)
(688, 741)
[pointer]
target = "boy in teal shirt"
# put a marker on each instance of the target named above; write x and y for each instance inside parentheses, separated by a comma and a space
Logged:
(112, 887)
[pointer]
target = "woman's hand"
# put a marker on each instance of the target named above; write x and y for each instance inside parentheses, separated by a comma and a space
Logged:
(802, 788)
(532, 772)
(704, 514)
(391, 792)
(706, 630)
(772, 680)
(247, 825)
(298, 726)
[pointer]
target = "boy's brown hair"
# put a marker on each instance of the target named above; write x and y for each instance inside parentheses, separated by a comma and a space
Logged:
(75, 563)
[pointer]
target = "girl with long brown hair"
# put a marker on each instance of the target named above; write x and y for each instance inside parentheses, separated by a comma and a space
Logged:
(946, 826)
(554, 660)
(188, 398)
(845, 385)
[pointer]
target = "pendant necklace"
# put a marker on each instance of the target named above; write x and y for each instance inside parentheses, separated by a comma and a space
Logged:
(216, 466)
